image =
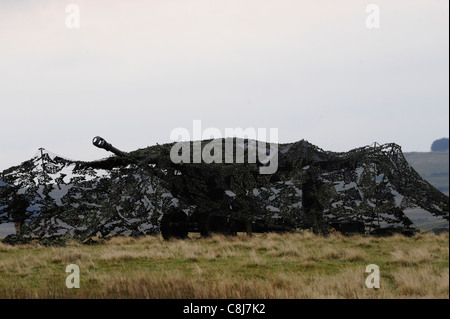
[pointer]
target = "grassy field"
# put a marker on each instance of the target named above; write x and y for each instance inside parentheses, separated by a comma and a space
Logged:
(263, 266)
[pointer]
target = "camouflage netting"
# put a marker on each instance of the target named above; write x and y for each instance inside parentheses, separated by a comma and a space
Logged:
(130, 193)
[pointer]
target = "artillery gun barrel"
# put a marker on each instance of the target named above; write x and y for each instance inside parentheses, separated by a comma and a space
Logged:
(102, 143)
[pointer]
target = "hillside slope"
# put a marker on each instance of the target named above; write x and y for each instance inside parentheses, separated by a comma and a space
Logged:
(433, 167)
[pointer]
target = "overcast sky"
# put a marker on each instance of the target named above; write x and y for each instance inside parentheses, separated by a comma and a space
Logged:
(135, 70)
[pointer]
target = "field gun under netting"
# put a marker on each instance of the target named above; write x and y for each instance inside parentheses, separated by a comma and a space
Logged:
(326, 183)
(364, 190)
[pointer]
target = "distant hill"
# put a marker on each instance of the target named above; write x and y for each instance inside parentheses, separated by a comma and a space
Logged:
(440, 145)
(433, 167)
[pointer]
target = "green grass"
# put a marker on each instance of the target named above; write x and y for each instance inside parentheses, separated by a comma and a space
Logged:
(264, 266)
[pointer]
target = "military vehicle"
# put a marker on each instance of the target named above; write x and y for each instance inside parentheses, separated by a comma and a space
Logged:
(364, 190)
(175, 223)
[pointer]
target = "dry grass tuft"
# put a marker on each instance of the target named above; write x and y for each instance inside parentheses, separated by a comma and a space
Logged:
(423, 282)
